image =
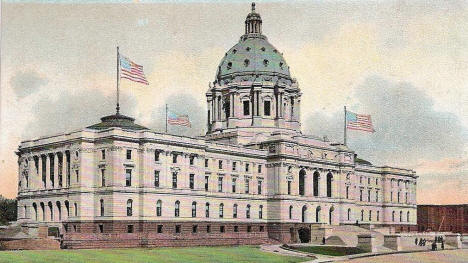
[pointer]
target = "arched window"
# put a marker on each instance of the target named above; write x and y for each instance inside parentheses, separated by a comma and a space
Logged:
(234, 211)
(101, 202)
(67, 206)
(207, 210)
(316, 183)
(221, 210)
(408, 216)
(260, 212)
(317, 214)
(59, 210)
(401, 216)
(177, 209)
(349, 214)
(75, 206)
(378, 215)
(329, 184)
(393, 216)
(290, 211)
(370, 215)
(330, 215)
(35, 211)
(129, 207)
(159, 208)
(194, 209)
(362, 215)
(304, 214)
(247, 212)
(302, 174)
(51, 209)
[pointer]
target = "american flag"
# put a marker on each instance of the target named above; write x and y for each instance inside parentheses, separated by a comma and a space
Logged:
(174, 119)
(359, 122)
(132, 71)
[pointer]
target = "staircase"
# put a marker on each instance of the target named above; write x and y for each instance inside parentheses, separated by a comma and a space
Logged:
(348, 234)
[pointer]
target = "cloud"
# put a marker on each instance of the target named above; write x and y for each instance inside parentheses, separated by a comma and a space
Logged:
(181, 104)
(73, 110)
(25, 83)
(408, 127)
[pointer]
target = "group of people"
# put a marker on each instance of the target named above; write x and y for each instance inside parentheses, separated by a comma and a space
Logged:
(421, 243)
(438, 239)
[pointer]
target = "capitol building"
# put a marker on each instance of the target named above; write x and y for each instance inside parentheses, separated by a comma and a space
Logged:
(253, 178)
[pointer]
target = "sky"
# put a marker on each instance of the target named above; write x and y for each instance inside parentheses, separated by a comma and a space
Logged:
(403, 62)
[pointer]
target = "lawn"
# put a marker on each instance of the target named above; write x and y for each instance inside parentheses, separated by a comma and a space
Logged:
(329, 250)
(192, 254)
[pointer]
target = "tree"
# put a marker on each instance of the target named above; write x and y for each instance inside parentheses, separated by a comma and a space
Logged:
(8, 210)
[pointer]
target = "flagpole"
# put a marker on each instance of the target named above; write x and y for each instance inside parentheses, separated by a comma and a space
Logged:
(344, 126)
(166, 118)
(118, 80)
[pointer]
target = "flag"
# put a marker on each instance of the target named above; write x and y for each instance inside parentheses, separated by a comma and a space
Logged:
(359, 122)
(174, 119)
(132, 71)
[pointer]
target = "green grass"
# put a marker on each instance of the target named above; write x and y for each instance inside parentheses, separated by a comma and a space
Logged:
(192, 254)
(329, 250)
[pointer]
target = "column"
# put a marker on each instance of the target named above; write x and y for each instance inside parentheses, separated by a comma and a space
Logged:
(40, 171)
(281, 104)
(56, 170)
(47, 179)
(253, 103)
(64, 170)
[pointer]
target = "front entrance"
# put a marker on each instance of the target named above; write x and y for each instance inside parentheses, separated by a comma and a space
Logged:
(304, 235)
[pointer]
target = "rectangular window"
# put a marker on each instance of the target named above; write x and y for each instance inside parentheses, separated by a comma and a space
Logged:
(103, 154)
(222, 229)
(220, 184)
(208, 229)
(266, 108)
(247, 166)
(246, 105)
(192, 181)
(259, 169)
(156, 156)
(129, 154)
(129, 228)
(160, 229)
(174, 180)
(174, 158)
(194, 229)
(103, 177)
(259, 187)
(101, 228)
(247, 185)
(77, 173)
(289, 187)
(360, 195)
(206, 182)
(192, 160)
(234, 166)
(368, 180)
(236, 228)
(262, 229)
(206, 163)
(249, 228)
(177, 229)
(347, 192)
(128, 177)
(234, 185)
(156, 178)
(220, 164)
(368, 195)
(377, 196)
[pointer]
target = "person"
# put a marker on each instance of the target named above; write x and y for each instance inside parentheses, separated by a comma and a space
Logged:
(323, 241)
(442, 245)
(434, 246)
(416, 241)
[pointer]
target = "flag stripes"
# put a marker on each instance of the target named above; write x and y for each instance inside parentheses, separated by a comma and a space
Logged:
(132, 71)
(359, 122)
(181, 120)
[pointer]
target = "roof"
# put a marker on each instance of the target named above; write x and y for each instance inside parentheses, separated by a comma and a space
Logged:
(117, 120)
(362, 161)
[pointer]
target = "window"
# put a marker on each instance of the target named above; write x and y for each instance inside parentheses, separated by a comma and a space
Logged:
(259, 168)
(262, 229)
(406, 197)
(247, 166)
(101, 228)
(289, 187)
(103, 177)
(349, 214)
(376, 196)
(401, 216)
(159, 208)
(236, 228)
(194, 209)
(368, 180)
(234, 211)
(174, 180)
(156, 178)
(347, 192)
(192, 181)
(393, 216)
(206, 182)
(246, 105)
(208, 229)
(376, 181)
(249, 228)
(220, 184)
(77, 173)
(156, 156)
(174, 158)
(220, 164)
(362, 215)
(360, 195)
(360, 179)
(194, 229)
(391, 196)
(129, 207)
(75, 205)
(408, 216)
(177, 229)
(329, 184)
(290, 212)
(259, 186)
(129, 228)
(160, 229)
(301, 182)
(368, 195)
(370, 215)
(128, 177)
(103, 154)
(234, 184)
(260, 212)
(177, 209)
(398, 197)
(247, 185)
(266, 108)
(234, 166)
(206, 163)
(378, 215)
(207, 210)
(221, 210)
(129, 154)
(222, 229)
(316, 183)
(192, 160)
(246, 61)
(247, 212)
(102, 207)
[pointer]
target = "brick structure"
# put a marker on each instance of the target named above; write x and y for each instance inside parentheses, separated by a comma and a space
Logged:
(253, 178)
(443, 218)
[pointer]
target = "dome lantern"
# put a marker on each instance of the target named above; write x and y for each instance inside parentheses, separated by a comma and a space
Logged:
(253, 23)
